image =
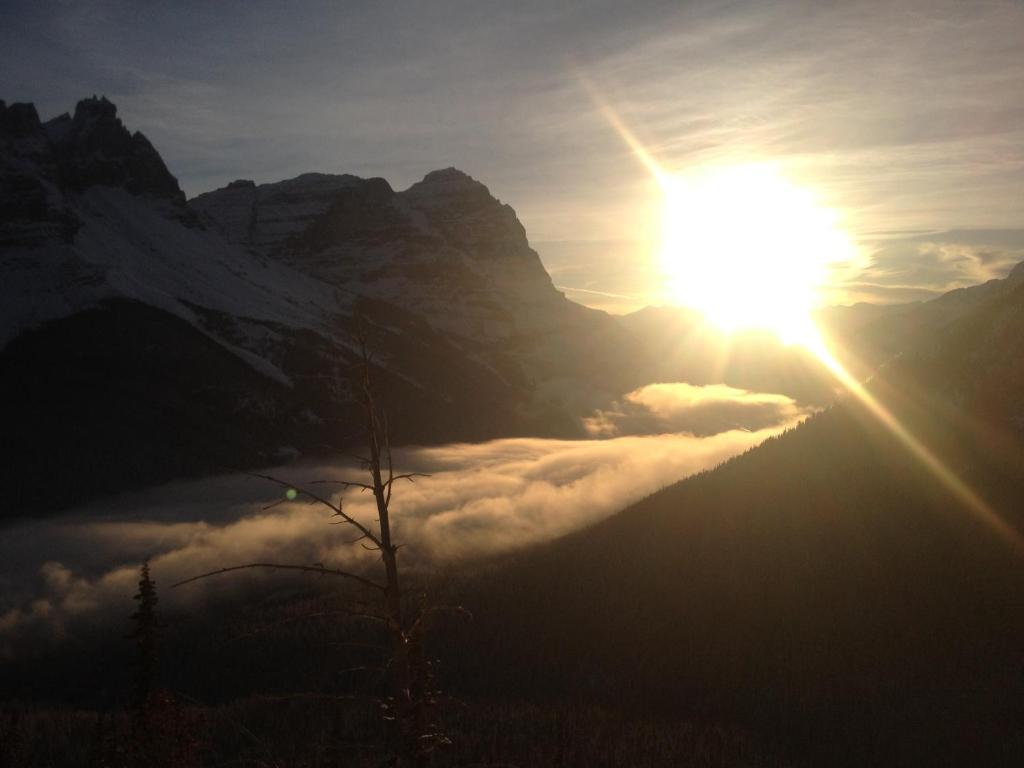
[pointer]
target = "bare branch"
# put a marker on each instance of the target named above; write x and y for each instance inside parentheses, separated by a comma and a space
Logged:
(410, 476)
(280, 566)
(391, 464)
(345, 483)
(336, 508)
(351, 541)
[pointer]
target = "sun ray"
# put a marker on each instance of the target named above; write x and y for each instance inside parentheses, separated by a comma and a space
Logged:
(742, 243)
(794, 322)
(628, 137)
(935, 466)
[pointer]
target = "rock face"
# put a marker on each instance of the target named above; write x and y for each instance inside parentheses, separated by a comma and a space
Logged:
(174, 338)
(263, 217)
(30, 206)
(444, 247)
(41, 161)
(450, 252)
(94, 148)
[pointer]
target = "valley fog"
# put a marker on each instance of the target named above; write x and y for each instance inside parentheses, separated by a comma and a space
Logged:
(479, 499)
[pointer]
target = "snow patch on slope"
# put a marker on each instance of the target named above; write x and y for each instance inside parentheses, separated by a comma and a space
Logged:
(134, 248)
(264, 217)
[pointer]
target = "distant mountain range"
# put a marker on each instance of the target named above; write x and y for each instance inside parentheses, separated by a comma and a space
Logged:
(686, 348)
(144, 336)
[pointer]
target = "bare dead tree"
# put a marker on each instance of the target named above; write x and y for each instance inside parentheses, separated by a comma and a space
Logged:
(412, 696)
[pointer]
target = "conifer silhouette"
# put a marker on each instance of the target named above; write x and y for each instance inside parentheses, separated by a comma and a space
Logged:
(144, 635)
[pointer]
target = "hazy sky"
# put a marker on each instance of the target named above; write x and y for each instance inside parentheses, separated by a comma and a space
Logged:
(906, 117)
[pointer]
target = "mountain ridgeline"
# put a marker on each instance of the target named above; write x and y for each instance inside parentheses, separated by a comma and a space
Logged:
(161, 338)
(164, 338)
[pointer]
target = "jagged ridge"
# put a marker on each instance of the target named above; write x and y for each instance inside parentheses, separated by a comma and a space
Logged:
(253, 288)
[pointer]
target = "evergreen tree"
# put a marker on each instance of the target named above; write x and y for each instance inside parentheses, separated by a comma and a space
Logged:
(144, 635)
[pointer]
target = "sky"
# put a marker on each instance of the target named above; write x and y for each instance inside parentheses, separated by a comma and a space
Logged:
(905, 118)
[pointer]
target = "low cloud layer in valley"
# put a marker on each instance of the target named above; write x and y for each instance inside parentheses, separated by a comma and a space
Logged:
(680, 407)
(480, 499)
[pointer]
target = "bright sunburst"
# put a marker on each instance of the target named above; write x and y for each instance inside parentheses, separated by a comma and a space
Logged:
(748, 248)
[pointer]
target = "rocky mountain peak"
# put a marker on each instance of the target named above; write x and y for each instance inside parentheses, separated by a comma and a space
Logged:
(468, 216)
(95, 109)
(93, 148)
(448, 186)
(19, 120)
(445, 246)
(450, 177)
(97, 149)
(30, 204)
(263, 217)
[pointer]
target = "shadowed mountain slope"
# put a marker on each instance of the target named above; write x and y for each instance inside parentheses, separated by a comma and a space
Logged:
(824, 588)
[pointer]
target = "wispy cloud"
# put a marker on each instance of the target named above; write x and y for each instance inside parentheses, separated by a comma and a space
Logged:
(921, 266)
(901, 115)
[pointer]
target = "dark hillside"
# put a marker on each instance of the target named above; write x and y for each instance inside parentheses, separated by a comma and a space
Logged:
(824, 588)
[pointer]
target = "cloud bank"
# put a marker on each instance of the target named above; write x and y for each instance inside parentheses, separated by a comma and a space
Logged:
(698, 410)
(480, 499)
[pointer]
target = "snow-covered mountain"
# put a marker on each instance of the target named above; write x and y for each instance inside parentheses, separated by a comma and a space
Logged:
(145, 337)
(172, 337)
(445, 249)
(90, 213)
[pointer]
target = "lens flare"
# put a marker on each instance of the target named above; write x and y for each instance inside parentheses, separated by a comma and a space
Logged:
(748, 248)
(935, 466)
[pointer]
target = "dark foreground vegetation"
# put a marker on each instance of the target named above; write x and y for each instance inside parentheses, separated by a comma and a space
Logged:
(849, 612)
(821, 600)
(304, 731)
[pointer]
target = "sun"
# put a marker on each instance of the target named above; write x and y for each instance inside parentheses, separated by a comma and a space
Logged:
(748, 248)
